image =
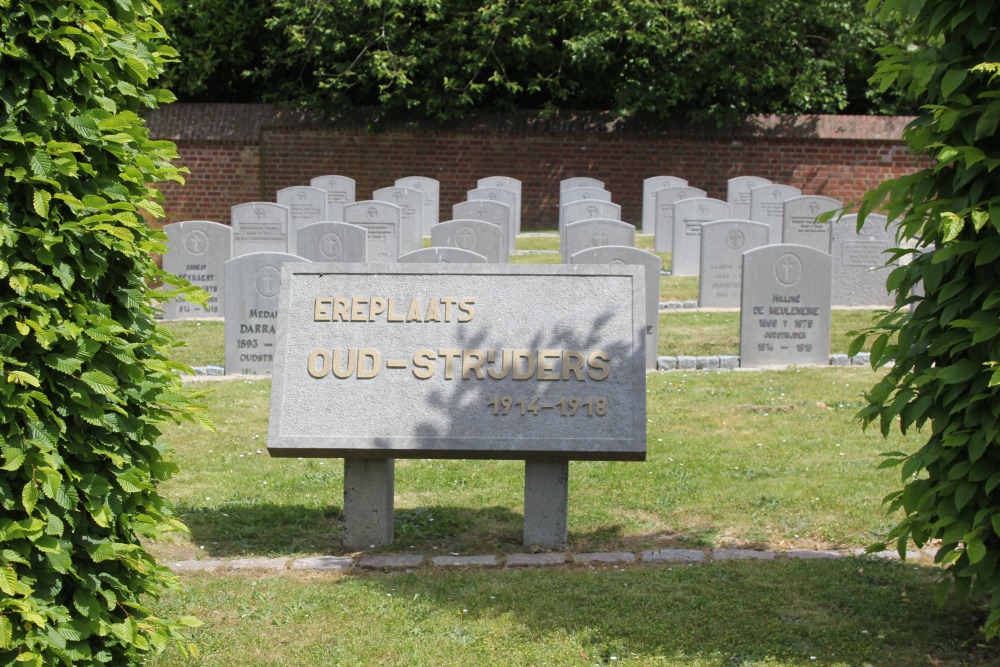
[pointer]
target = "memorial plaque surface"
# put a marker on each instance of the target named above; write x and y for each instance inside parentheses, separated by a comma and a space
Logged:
(590, 209)
(381, 221)
(738, 194)
(663, 241)
(453, 361)
(723, 243)
(478, 236)
(333, 242)
(410, 203)
(649, 188)
(340, 192)
(198, 249)
(859, 270)
(577, 236)
(252, 285)
(441, 256)
(580, 182)
(799, 225)
(306, 205)
(488, 211)
(430, 188)
(785, 309)
(259, 227)
(767, 205)
(689, 215)
(505, 183)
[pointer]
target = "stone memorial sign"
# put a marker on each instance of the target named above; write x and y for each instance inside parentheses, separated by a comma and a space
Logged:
(488, 211)
(590, 209)
(381, 221)
(785, 308)
(649, 188)
(689, 216)
(614, 254)
(859, 270)
(738, 194)
(799, 224)
(767, 205)
(410, 203)
(503, 196)
(259, 227)
(723, 243)
(444, 255)
(333, 242)
(663, 229)
(340, 192)
(198, 249)
(577, 236)
(430, 188)
(478, 236)
(306, 205)
(580, 182)
(251, 311)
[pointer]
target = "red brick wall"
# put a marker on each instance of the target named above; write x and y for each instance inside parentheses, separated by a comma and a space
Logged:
(239, 153)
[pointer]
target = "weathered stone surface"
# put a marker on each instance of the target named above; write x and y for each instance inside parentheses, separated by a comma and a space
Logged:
(689, 216)
(859, 269)
(609, 557)
(272, 564)
(707, 362)
(666, 363)
(465, 561)
(430, 188)
(767, 206)
(442, 256)
(741, 554)
(210, 565)
(506, 183)
(259, 227)
(381, 220)
(323, 563)
(368, 503)
(580, 182)
(589, 209)
(306, 205)
(799, 222)
(198, 251)
(723, 243)
(595, 233)
(809, 554)
(333, 242)
(663, 224)
(411, 210)
(536, 560)
(509, 198)
(840, 360)
(391, 561)
(478, 236)
(738, 194)
(650, 186)
(687, 363)
(546, 503)
(673, 556)
(340, 192)
(729, 361)
(489, 211)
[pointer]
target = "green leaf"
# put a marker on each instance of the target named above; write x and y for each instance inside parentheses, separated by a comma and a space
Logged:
(6, 632)
(40, 201)
(29, 496)
(951, 81)
(100, 382)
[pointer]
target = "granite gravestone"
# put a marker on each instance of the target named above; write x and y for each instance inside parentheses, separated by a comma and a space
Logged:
(859, 268)
(580, 182)
(478, 236)
(723, 243)
(509, 197)
(259, 227)
(198, 249)
(251, 309)
(381, 221)
(573, 195)
(689, 215)
(590, 209)
(767, 205)
(634, 257)
(785, 308)
(339, 193)
(663, 229)
(333, 242)
(410, 203)
(430, 188)
(649, 188)
(306, 205)
(577, 236)
(488, 211)
(799, 224)
(444, 255)
(507, 183)
(738, 194)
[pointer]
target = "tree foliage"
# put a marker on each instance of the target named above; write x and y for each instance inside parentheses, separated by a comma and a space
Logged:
(946, 350)
(85, 384)
(440, 59)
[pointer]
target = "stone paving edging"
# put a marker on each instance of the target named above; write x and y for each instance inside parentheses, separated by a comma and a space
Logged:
(409, 562)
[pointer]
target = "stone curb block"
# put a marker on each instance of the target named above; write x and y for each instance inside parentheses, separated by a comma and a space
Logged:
(673, 556)
(687, 363)
(465, 561)
(861, 359)
(391, 562)
(809, 554)
(707, 362)
(259, 564)
(197, 565)
(323, 563)
(741, 554)
(840, 360)
(729, 361)
(612, 557)
(666, 363)
(536, 560)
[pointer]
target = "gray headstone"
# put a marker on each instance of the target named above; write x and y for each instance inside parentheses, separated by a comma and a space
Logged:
(767, 205)
(381, 220)
(506, 183)
(577, 236)
(859, 270)
(430, 188)
(483, 238)
(649, 188)
(443, 255)
(502, 195)
(333, 242)
(738, 194)
(663, 228)
(340, 192)
(785, 309)
(573, 195)
(410, 203)
(723, 243)
(252, 285)
(198, 249)
(306, 205)
(799, 224)
(633, 256)
(580, 182)
(590, 209)
(259, 227)
(488, 211)
(689, 215)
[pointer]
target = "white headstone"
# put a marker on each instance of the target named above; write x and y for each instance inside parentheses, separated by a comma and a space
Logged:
(689, 215)
(859, 269)
(410, 203)
(340, 192)
(573, 195)
(381, 220)
(259, 227)
(306, 205)
(442, 256)
(723, 243)
(430, 188)
(738, 194)
(577, 236)
(511, 198)
(649, 188)
(663, 228)
(333, 242)
(767, 205)
(198, 250)
(799, 223)
(489, 211)
(483, 238)
(580, 182)
(590, 209)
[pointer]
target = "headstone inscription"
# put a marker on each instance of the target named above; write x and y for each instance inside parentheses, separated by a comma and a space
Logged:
(456, 366)
(799, 224)
(381, 221)
(410, 203)
(689, 215)
(502, 195)
(340, 192)
(478, 236)
(198, 249)
(767, 205)
(738, 194)
(785, 308)
(441, 256)
(649, 189)
(259, 227)
(306, 205)
(488, 211)
(333, 242)
(859, 269)
(252, 285)
(663, 229)
(580, 182)
(723, 243)
(507, 183)
(616, 254)
(585, 234)
(430, 188)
